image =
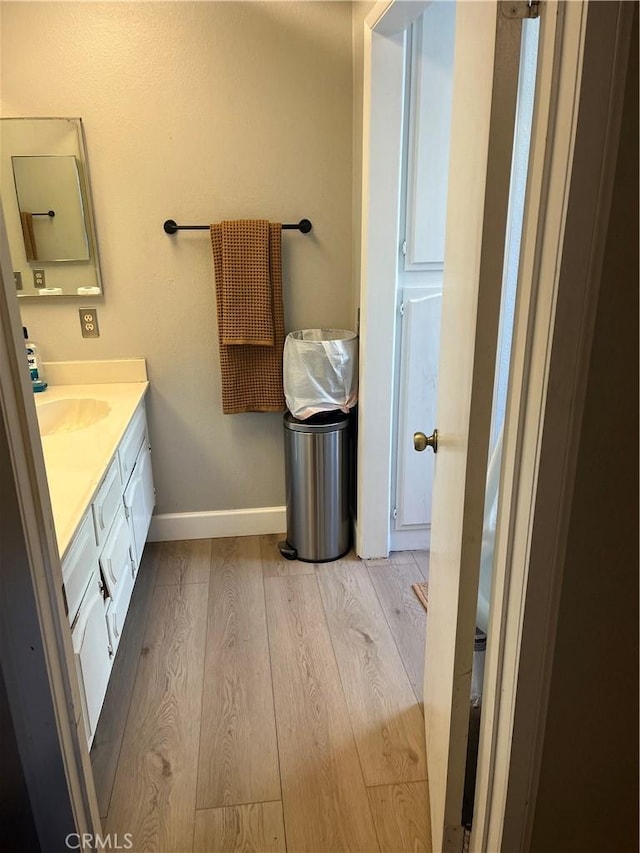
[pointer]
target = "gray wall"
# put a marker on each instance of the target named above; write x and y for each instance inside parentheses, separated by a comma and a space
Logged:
(588, 794)
(361, 9)
(195, 111)
(16, 819)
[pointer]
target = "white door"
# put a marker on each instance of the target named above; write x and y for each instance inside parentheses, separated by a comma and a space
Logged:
(421, 261)
(484, 100)
(421, 308)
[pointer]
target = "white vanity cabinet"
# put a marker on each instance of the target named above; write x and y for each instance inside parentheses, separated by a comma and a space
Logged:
(101, 564)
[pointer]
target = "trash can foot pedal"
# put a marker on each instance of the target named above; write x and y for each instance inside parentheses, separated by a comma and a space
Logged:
(287, 551)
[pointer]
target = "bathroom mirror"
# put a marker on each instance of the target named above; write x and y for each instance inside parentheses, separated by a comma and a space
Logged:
(51, 208)
(46, 201)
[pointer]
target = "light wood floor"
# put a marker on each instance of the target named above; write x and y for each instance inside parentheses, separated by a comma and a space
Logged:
(264, 705)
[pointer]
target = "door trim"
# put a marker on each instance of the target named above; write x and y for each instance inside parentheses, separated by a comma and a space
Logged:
(383, 108)
(35, 641)
(385, 45)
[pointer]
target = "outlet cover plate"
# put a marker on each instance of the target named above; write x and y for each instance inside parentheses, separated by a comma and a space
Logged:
(89, 322)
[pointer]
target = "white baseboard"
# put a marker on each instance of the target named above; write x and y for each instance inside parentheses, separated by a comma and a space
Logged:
(216, 524)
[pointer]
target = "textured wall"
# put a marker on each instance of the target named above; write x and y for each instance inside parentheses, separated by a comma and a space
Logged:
(195, 111)
(361, 8)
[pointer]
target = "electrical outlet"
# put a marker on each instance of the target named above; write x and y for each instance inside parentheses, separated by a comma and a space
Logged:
(89, 322)
(38, 279)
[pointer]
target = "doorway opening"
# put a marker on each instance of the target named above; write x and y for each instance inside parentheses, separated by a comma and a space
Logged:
(482, 230)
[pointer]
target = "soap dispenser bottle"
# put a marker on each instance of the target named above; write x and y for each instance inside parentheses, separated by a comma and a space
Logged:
(35, 364)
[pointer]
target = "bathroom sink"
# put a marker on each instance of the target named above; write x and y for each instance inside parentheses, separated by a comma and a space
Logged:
(70, 414)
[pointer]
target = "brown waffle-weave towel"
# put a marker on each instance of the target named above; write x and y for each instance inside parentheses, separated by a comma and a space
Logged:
(251, 373)
(247, 310)
(28, 235)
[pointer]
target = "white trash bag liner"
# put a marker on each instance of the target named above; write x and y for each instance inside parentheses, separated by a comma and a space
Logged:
(320, 371)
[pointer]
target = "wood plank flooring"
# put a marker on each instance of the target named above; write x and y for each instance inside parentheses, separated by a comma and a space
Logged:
(387, 723)
(258, 826)
(106, 744)
(401, 816)
(324, 796)
(259, 704)
(154, 792)
(239, 756)
(404, 613)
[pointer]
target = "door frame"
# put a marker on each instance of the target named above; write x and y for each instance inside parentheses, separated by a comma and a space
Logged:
(553, 332)
(581, 81)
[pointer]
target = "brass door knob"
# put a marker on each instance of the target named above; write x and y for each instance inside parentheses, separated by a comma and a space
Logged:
(422, 441)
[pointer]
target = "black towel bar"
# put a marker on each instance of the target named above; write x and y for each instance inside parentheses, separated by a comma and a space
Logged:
(171, 227)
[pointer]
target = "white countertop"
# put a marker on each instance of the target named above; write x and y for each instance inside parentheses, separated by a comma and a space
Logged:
(76, 461)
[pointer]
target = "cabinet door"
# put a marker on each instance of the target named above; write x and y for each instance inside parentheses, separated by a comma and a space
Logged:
(117, 609)
(115, 559)
(139, 500)
(93, 653)
(131, 443)
(78, 565)
(107, 502)
(429, 136)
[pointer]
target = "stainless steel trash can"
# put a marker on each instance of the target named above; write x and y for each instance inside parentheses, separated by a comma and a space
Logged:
(316, 453)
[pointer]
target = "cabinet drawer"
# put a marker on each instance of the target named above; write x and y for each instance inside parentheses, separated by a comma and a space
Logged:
(131, 443)
(107, 501)
(117, 610)
(79, 564)
(115, 558)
